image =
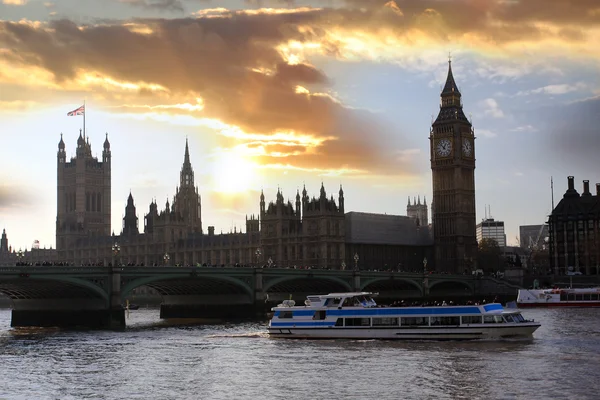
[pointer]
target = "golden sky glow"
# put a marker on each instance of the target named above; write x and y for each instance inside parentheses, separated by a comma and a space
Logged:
(280, 89)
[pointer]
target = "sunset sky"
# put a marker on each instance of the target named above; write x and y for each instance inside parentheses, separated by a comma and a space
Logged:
(283, 93)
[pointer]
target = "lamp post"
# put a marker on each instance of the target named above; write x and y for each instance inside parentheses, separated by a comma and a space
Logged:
(356, 261)
(425, 280)
(343, 266)
(19, 257)
(270, 262)
(258, 253)
(425, 266)
(166, 258)
(115, 250)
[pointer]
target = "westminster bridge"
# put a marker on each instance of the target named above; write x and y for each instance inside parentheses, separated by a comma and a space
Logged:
(94, 296)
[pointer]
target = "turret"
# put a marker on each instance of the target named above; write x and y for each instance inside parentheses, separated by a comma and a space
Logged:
(341, 199)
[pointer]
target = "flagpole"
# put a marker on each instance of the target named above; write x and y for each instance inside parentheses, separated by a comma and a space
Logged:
(83, 118)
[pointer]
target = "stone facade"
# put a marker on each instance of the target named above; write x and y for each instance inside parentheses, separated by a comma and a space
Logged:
(574, 229)
(452, 148)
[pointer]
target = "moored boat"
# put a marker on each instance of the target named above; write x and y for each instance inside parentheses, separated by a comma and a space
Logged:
(569, 297)
(357, 316)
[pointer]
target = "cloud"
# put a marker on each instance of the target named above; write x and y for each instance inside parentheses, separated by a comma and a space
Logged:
(164, 5)
(555, 89)
(485, 133)
(228, 73)
(14, 2)
(12, 196)
(491, 108)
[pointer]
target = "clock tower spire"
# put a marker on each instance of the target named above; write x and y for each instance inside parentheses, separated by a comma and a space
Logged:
(452, 149)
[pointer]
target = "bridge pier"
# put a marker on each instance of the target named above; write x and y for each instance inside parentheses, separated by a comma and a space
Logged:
(90, 319)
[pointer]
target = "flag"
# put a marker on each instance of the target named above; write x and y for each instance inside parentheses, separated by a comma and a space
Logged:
(79, 111)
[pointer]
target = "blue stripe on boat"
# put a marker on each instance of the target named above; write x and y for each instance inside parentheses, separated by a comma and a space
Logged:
(298, 313)
(493, 307)
(291, 324)
(366, 312)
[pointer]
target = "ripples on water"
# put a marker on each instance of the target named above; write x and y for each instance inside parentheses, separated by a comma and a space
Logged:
(154, 359)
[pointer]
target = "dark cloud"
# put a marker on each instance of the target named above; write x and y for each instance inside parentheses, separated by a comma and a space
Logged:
(165, 5)
(13, 197)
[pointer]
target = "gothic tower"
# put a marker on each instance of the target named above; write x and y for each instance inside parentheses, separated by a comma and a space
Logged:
(452, 147)
(130, 220)
(83, 194)
(187, 199)
(418, 211)
(4, 242)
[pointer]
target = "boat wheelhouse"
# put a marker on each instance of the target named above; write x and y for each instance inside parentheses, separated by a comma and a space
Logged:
(569, 297)
(357, 316)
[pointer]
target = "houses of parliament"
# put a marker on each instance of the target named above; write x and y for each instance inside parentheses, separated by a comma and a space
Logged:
(311, 232)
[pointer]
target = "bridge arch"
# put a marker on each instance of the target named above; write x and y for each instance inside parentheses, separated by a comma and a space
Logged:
(309, 278)
(368, 282)
(60, 285)
(447, 286)
(198, 279)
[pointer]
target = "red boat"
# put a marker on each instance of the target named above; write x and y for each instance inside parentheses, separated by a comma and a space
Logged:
(585, 297)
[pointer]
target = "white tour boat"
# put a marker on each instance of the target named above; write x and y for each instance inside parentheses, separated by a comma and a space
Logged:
(584, 297)
(357, 316)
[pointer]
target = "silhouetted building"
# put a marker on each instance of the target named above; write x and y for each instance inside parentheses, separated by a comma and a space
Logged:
(83, 200)
(575, 232)
(130, 220)
(452, 147)
(4, 242)
(418, 211)
(491, 229)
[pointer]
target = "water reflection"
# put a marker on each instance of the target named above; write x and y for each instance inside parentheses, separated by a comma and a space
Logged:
(156, 359)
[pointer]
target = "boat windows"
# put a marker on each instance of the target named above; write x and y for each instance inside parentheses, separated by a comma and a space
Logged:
(509, 318)
(385, 321)
(286, 314)
(319, 315)
(436, 321)
(518, 318)
(339, 322)
(334, 302)
(471, 319)
(414, 321)
(358, 321)
(489, 319)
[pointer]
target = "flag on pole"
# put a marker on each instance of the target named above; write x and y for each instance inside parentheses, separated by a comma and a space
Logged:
(79, 111)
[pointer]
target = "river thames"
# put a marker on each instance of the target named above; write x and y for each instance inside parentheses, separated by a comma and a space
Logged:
(154, 359)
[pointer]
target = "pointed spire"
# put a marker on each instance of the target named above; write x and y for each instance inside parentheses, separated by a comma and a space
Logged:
(424, 200)
(419, 198)
(450, 87)
(409, 200)
(186, 158)
(341, 190)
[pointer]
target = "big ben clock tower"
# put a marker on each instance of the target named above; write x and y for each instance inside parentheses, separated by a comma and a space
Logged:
(452, 149)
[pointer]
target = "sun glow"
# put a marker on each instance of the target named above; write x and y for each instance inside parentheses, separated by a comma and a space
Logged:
(233, 173)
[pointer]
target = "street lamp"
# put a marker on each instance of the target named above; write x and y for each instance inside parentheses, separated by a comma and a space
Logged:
(343, 266)
(356, 261)
(115, 249)
(425, 265)
(270, 262)
(258, 253)
(166, 258)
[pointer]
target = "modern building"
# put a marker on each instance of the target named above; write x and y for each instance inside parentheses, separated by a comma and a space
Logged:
(533, 236)
(452, 153)
(491, 229)
(574, 231)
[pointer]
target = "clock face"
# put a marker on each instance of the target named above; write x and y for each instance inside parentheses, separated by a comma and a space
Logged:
(443, 147)
(467, 148)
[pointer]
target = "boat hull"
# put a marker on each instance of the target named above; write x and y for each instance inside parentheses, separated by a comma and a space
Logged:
(482, 332)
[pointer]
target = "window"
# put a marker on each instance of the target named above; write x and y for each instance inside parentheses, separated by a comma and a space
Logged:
(414, 321)
(471, 319)
(286, 314)
(358, 322)
(385, 321)
(509, 318)
(319, 315)
(444, 321)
